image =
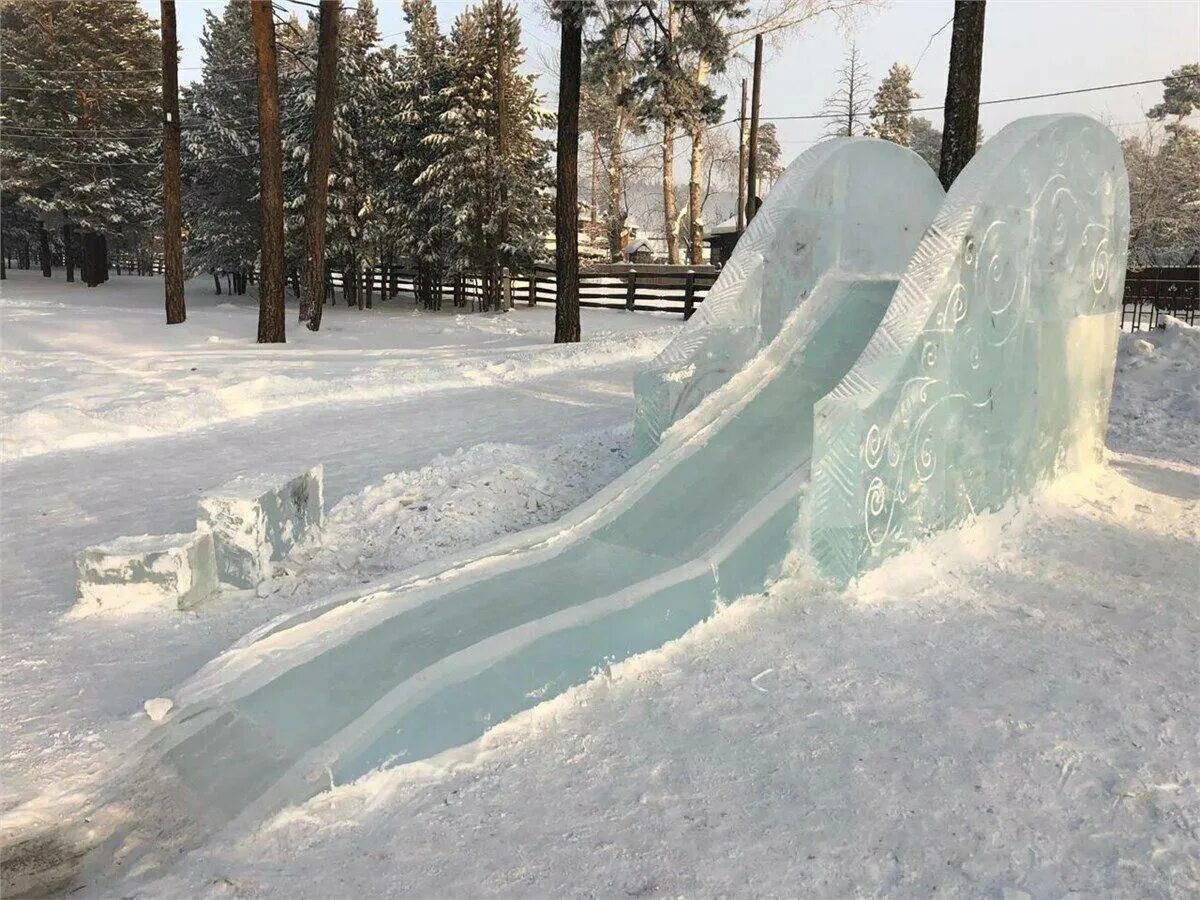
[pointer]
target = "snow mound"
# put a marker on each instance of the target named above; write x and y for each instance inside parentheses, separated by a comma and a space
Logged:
(1156, 395)
(459, 500)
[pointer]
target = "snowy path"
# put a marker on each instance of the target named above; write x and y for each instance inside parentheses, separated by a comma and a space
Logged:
(66, 682)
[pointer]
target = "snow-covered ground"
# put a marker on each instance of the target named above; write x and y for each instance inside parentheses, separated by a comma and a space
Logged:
(1011, 709)
(437, 431)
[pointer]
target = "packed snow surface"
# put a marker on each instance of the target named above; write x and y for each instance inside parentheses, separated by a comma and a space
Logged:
(1009, 710)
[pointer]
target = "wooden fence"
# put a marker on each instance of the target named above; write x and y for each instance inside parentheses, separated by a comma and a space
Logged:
(1149, 293)
(645, 288)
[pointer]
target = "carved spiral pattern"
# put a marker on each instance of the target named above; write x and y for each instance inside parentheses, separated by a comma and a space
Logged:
(1045, 257)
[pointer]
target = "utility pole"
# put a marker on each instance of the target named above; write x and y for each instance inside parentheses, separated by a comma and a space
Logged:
(566, 207)
(312, 290)
(741, 203)
(172, 204)
(270, 182)
(960, 131)
(752, 165)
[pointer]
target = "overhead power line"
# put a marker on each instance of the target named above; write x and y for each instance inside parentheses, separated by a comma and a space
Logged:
(829, 116)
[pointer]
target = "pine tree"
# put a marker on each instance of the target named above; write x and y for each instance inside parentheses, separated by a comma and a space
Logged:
(270, 201)
(176, 310)
(960, 121)
(891, 111)
(414, 196)
(312, 299)
(220, 161)
(354, 204)
(770, 154)
(610, 108)
(925, 140)
(682, 44)
(492, 177)
(847, 105)
(81, 104)
(566, 199)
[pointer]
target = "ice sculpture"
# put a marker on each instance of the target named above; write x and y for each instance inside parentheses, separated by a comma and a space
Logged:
(987, 369)
(432, 659)
(837, 209)
(992, 369)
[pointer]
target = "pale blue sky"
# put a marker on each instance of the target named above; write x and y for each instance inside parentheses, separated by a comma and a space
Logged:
(1032, 46)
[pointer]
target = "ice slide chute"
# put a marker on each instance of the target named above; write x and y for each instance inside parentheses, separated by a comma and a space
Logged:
(809, 359)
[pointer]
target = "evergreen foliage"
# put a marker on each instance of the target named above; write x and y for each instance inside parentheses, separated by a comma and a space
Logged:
(220, 147)
(891, 110)
(490, 173)
(81, 106)
(418, 102)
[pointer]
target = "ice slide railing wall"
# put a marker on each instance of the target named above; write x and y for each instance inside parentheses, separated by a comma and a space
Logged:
(431, 660)
(992, 370)
(831, 380)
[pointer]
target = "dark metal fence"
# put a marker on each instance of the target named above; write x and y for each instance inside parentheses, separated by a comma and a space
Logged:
(1149, 293)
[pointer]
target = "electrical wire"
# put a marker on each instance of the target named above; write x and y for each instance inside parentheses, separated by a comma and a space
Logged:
(831, 116)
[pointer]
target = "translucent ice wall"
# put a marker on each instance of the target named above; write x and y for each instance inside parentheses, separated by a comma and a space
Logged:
(844, 207)
(992, 369)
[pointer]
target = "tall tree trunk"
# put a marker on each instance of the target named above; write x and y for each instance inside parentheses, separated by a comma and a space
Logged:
(44, 250)
(670, 206)
(594, 187)
(217, 279)
(616, 164)
(501, 89)
(752, 151)
(566, 207)
(172, 204)
(68, 251)
(313, 289)
(695, 175)
(270, 287)
(960, 131)
(741, 202)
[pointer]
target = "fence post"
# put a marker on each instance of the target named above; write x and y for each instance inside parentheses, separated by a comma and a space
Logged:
(533, 286)
(689, 295)
(631, 290)
(506, 288)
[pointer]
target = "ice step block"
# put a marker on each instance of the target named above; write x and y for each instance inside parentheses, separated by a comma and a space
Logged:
(256, 520)
(149, 570)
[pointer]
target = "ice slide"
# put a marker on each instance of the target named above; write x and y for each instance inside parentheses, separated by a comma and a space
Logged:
(886, 362)
(429, 661)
